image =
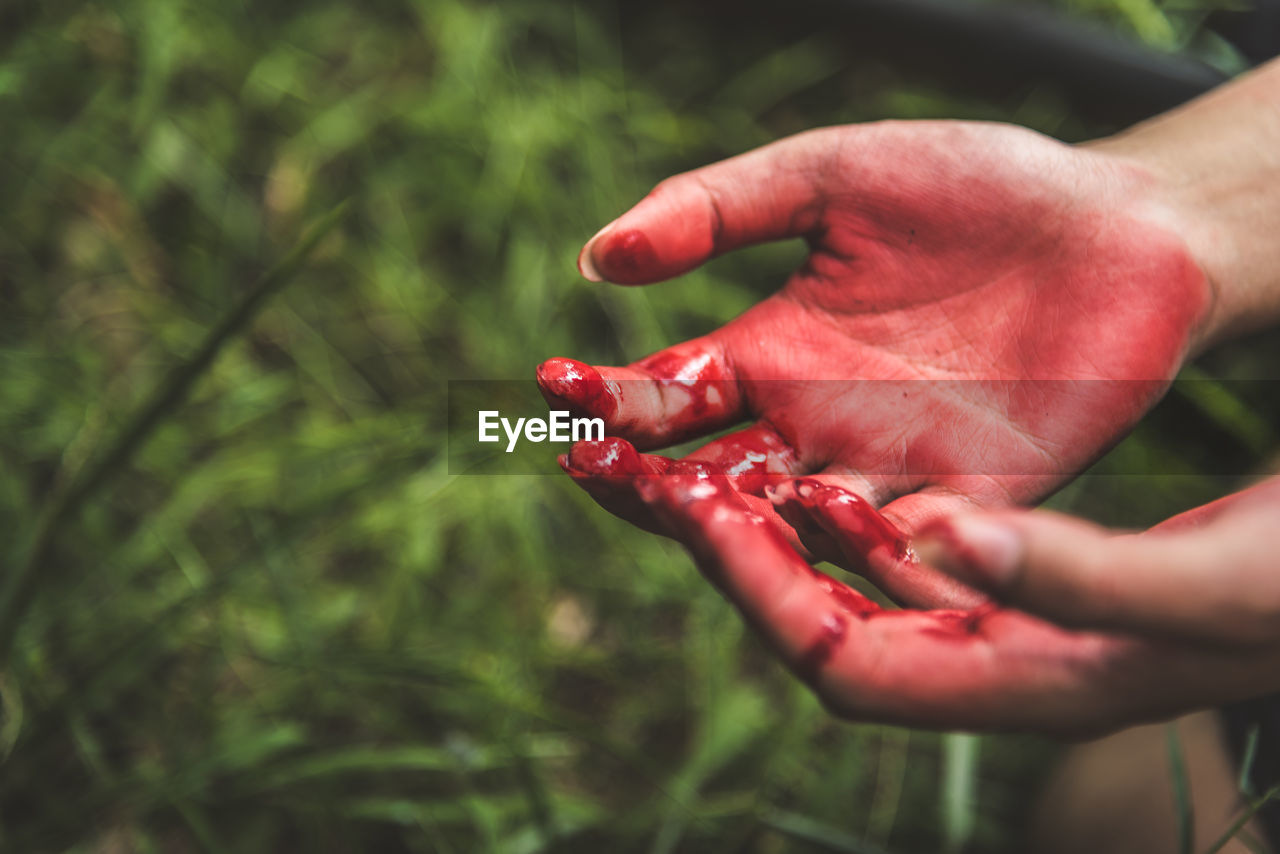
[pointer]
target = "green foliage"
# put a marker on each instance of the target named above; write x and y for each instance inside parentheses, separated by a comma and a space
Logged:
(1166, 25)
(275, 621)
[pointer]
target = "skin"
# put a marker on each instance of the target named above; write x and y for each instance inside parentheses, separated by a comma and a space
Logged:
(1211, 578)
(989, 667)
(984, 311)
(925, 301)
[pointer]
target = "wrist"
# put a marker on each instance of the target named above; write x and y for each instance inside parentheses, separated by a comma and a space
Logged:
(1215, 165)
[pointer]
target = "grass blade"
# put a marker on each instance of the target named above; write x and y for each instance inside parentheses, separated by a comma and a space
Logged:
(1243, 819)
(959, 784)
(1181, 791)
(1245, 783)
(19, 585)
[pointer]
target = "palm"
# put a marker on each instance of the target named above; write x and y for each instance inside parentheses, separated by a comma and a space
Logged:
(983, 312)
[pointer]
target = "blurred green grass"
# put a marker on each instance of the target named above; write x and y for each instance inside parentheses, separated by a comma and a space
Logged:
(284, 626)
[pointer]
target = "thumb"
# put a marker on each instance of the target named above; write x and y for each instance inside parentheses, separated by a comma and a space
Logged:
(1219, 582)
(769, 193)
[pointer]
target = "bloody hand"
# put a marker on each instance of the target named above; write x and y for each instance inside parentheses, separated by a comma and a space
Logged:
(984, 311)
(993, 667)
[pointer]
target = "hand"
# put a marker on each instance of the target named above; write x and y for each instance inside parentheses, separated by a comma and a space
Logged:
(1211, 576)
(1199, 633)
(1032, 300)
(984, 311)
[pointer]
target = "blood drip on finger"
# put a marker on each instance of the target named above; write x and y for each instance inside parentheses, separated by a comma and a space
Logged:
(698, 377)
(753, 458)
(856, 520)
(629, 257)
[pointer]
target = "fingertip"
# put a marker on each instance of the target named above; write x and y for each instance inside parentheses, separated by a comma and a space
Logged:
(794, 512)
(626, 257)
(790, 498)
(623, 256)
(586, 256)
(981, 550)
(610, 456)
(579, 386)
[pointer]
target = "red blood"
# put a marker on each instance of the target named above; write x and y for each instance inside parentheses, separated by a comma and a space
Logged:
(682, 367)
(614, 474)
(612, 457)
(686, 504)
(629, 257)
(753, 458)
(858, 522)
(699, 375)
(831, 635)
(803, 521)
(845, 596)
(578, 385)
(960, 624)
(696, 468)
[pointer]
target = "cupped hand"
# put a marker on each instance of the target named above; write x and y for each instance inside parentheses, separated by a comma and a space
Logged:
(983, 312)
(1184, 616)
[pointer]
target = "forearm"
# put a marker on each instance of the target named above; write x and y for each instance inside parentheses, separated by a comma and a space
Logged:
(1217, 161)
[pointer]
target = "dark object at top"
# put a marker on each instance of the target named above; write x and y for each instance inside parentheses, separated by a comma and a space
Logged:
(1255, 32)
(1031, 42)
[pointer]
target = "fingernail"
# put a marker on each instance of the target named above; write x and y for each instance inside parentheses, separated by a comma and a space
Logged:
(587, 264)
(977, 550)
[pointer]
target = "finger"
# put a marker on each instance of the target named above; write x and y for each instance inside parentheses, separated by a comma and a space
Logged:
(1217, 582)
(766, 194)
(980, 669)
(751, 458)
(610, 470)
(988, 668)
(1260, 493)
(607, 470)
(965, 494)
(828, 517)
(678, 393)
